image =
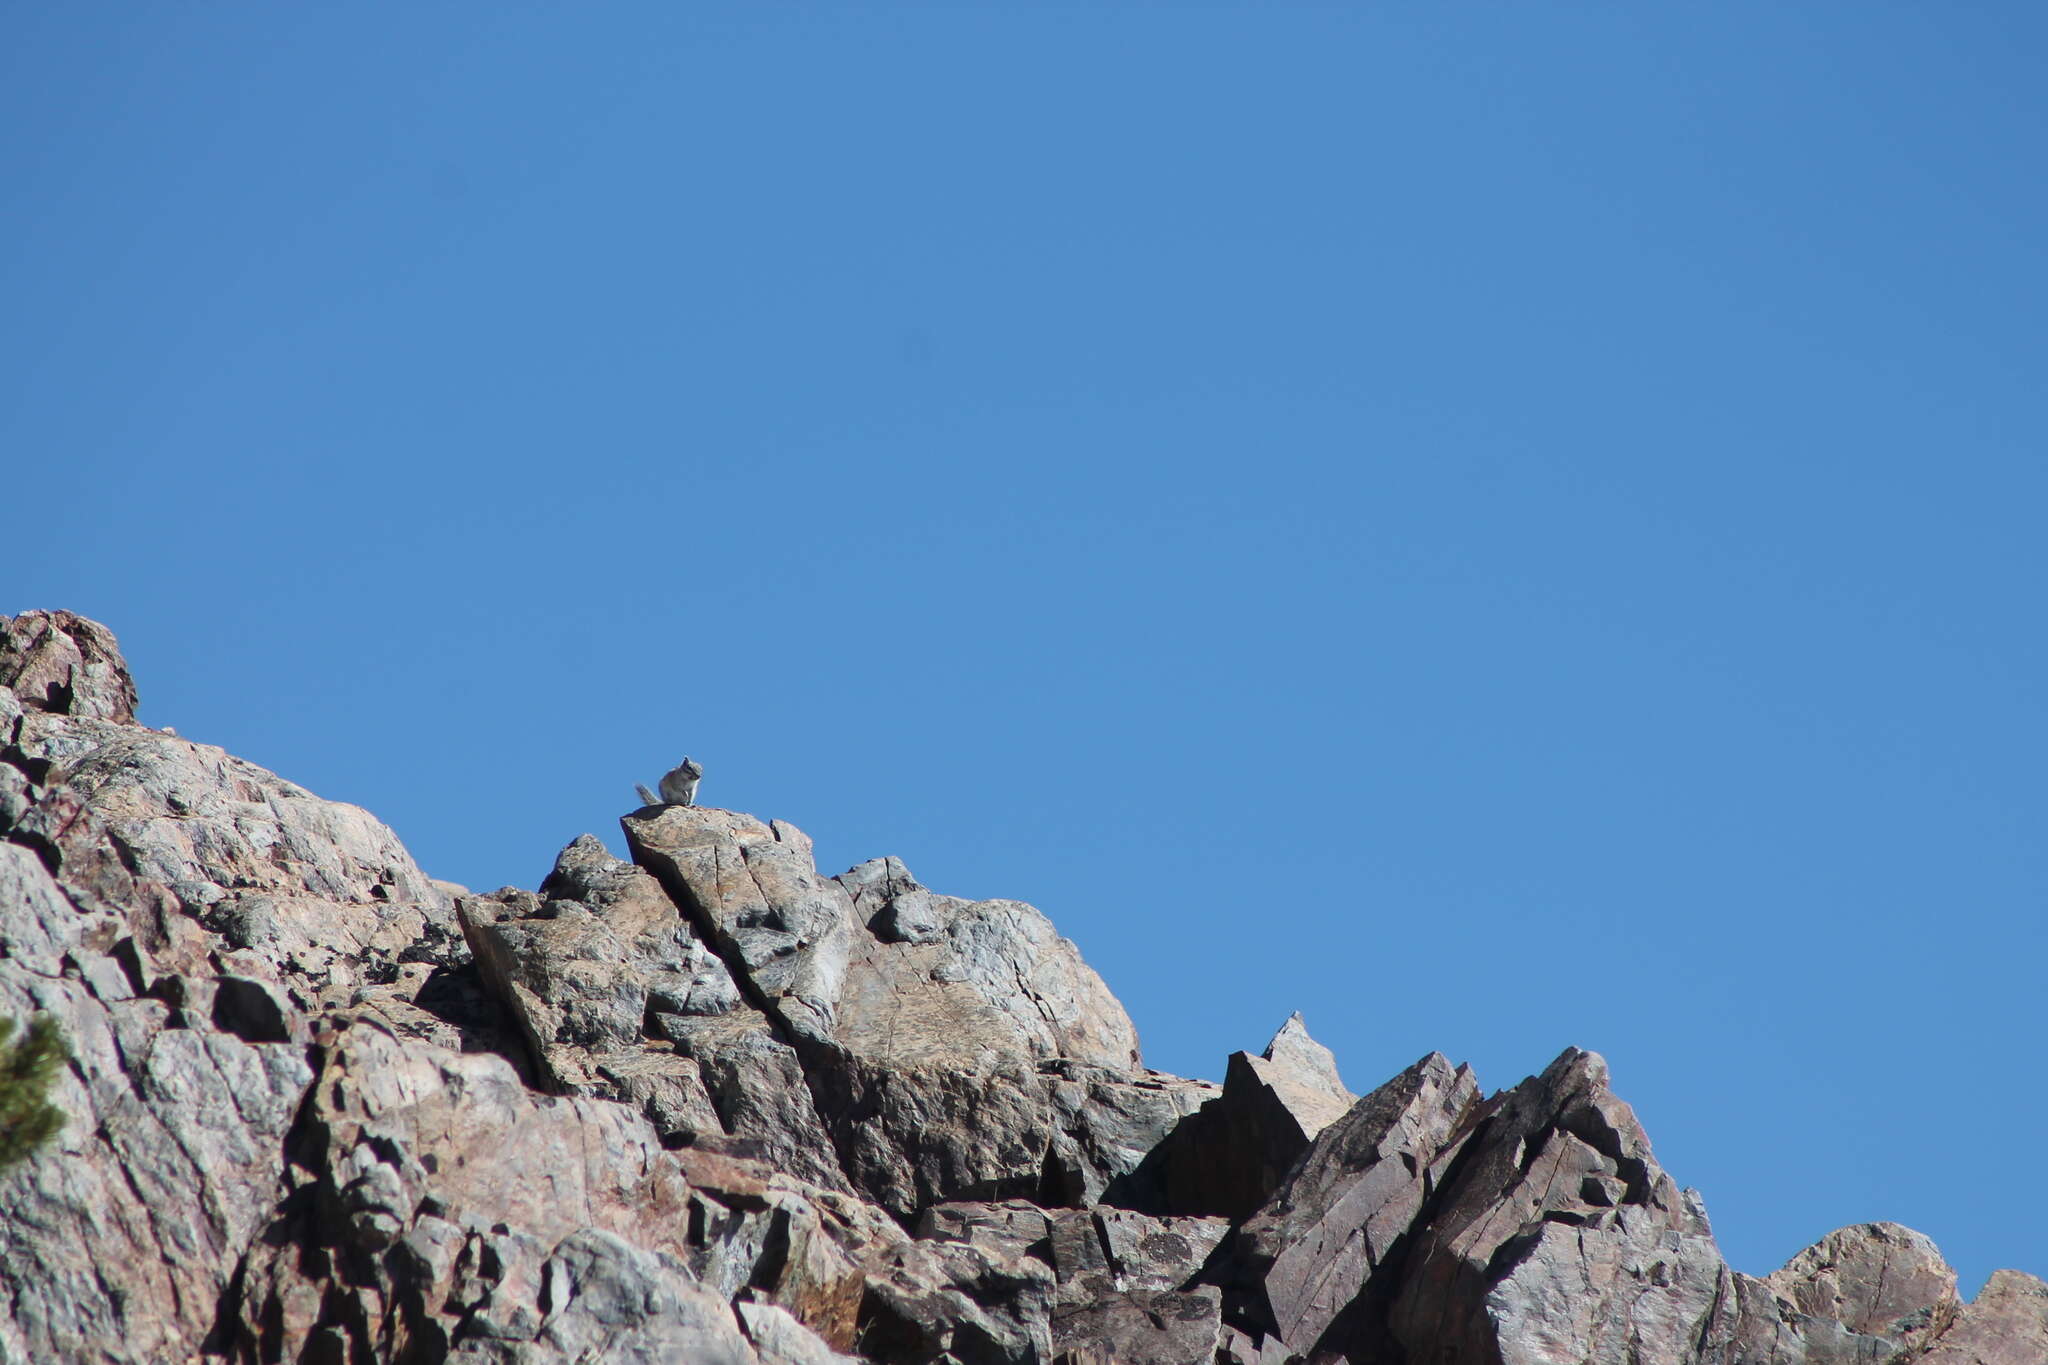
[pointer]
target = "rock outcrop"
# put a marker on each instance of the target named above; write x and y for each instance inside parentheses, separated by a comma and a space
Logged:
(952, 1049)
(712, 1105)
(1229, 1155)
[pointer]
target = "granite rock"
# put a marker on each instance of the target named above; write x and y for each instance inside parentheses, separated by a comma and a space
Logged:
(1868, 1278)
(712, 1105)
(1316, 1258)
(63, 663)
(1228, 1156)
(2006, 1324)
(1126, 1284)
(934, 1042)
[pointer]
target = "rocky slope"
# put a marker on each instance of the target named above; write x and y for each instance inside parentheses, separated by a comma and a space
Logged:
(713, 1106)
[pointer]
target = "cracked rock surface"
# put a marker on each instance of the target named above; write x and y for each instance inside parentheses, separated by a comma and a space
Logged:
(712, 1105)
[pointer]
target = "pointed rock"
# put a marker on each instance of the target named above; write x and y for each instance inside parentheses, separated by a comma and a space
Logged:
(1228, 1156)
(1556, 1236)
(1303, 1074)
(1312, 1249)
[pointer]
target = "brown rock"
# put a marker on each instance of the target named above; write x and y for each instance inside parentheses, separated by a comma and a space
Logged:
(290, 1133)
(926, 1037)
(929, 1303)
(1126, 1282)
(604, 976)
(1556, 1236)
(1127, 1288)
(444, 1201)
(1868, 1277)
(1228, 1156)
(125, 1230)
(2006, 1324)
(60, 662)
(1311, 1252)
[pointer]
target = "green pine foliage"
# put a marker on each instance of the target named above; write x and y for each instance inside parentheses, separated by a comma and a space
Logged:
(28, 1066)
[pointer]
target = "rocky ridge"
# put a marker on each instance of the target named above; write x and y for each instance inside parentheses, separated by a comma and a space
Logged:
(711, 1105)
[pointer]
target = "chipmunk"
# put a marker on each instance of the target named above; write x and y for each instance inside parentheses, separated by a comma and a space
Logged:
(678, 785)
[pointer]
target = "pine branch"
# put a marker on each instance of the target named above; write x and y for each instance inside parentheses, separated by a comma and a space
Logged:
(28, 1067)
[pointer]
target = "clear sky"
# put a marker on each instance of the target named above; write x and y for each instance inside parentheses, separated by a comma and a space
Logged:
(1497, 526)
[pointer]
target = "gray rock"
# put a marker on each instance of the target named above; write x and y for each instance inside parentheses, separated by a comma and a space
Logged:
(665, 1086)
(890, 902)
(780, 1339)
(125, 1231)
(809, 1251)
(320, 893)
(38, 926)
(587, 967)
(1127, 1293)
(1557, 1236)
(1310, 1256)
(1125, 1289)
(314, 1115)
(602, 1298)
(434, 1168)
(1108, 1122)
(63, 663)
(1868, 1277)
(931, 1302)
(923, 1040)
(735, 874)
(849, 1275)
(756, 1085)
(2006, 1324)
(1553, 1235)
(1304, 1073)
(1012, 1228)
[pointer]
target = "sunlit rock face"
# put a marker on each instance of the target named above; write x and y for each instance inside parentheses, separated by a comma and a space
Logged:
(713, 1105)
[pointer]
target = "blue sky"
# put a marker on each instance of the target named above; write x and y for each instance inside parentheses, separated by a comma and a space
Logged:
(1499, 527)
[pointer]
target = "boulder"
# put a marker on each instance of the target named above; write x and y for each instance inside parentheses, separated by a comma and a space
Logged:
(1317, 1259)
(1556, 1236)
(934, 1033)
(596, 1296)
(1868, 1278)
(1107, 1122)
(1125, 1282)
(581, 968)
(60, 662)
(2006, 1324)
(1128, 1291)
(953, 1303)
(1228, 1156)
